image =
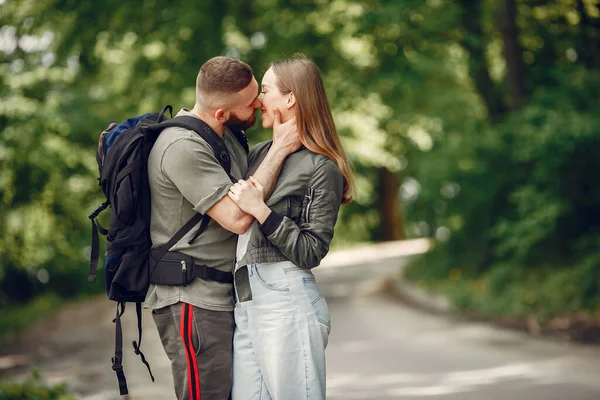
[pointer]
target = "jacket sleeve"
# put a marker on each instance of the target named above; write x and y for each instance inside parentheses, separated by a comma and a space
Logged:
(307, 243)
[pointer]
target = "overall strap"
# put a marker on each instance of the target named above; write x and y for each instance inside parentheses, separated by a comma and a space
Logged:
(207, 273)
(136, 346)
(221, 154)
(95, 254)
(208, 134)
(242, 138)
(117, 360)
(159, 252)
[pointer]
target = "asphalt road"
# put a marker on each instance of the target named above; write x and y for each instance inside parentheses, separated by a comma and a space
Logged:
(379, 348)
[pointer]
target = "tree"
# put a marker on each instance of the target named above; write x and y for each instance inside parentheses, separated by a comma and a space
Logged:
(470, 121)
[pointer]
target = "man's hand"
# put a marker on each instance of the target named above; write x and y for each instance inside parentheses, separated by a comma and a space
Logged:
(286, 140)
(285, 136)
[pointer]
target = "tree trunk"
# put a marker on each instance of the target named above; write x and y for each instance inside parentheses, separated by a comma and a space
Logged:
(392, 222)
(513, 54)
(474, 43)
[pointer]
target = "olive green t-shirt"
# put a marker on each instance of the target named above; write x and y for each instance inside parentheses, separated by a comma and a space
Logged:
(186, 178)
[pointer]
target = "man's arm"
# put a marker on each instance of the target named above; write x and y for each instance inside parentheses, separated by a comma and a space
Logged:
(230, 216)
(285, 141)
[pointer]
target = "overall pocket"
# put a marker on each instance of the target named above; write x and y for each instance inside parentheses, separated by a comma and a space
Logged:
(317, 301)
(112, 263)
(173, 269)
(307, 203)
(271, 276)
(124, 200)
(167, 331)
(126, 192)
(127, 276)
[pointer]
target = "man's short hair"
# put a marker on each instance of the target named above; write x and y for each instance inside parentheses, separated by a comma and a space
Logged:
(219, 81)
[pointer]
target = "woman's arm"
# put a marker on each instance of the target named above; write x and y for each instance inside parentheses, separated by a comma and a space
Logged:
(307, 244)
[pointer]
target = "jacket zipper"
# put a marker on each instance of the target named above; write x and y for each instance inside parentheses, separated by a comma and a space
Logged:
(310, 199)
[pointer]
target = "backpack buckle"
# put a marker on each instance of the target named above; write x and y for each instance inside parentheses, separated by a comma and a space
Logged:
(98, 210)
(116, 364)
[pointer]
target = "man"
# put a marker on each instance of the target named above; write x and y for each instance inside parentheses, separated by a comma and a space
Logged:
(195, 322)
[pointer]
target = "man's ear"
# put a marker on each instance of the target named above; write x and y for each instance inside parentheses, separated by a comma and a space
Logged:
(291, 101)
(221, 115)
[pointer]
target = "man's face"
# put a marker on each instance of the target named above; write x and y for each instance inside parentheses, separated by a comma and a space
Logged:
(236, 123)
(243, 116)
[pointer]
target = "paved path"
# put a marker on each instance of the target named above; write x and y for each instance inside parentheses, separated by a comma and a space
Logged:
(378, 349)
(383, 350)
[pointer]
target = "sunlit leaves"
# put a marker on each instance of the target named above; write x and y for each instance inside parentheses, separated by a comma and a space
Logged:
(399, 76)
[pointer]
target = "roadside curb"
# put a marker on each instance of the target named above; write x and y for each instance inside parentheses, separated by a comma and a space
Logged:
(560, 329)
(417, 297)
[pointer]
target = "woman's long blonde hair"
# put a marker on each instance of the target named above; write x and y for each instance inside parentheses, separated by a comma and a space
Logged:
(313, 115)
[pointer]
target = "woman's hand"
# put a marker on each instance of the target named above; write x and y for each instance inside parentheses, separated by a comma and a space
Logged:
(249, 197)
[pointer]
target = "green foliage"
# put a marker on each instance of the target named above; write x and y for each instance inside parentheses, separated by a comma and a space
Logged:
(528, 235)
(513, 198)
(502, 175)
(33, 389)
(511, 290)
(17, 317)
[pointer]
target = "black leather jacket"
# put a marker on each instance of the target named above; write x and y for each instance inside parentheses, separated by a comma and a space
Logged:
(305, 202)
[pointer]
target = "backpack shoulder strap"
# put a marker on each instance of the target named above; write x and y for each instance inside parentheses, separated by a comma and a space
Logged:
(209, 135)
(159, 252)
(222, 156)
(242, 138)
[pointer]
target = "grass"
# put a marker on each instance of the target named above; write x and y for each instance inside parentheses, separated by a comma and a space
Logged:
(33, 388)
(507, 290)
(18, 317)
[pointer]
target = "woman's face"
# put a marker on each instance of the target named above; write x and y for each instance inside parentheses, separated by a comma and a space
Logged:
(271, 97)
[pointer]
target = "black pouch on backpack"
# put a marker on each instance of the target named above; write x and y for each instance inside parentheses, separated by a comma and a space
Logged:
(126, 276)
(173, 269)
(176, 269)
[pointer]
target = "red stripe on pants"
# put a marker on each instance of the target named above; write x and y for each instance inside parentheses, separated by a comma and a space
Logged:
(186, 331)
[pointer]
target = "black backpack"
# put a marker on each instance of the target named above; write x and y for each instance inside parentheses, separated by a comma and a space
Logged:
(131, 264)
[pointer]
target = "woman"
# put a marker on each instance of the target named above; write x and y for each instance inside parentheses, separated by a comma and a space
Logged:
(281, 317)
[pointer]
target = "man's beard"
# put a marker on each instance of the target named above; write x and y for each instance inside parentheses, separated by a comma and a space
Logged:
(235, 123)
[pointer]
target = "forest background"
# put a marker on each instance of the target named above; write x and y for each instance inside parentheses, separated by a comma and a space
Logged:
(473, 122)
